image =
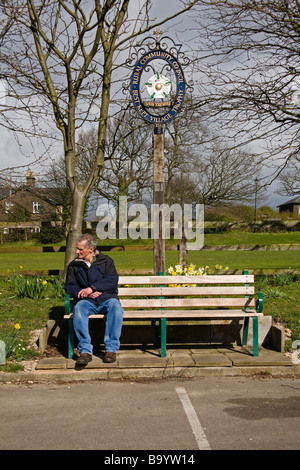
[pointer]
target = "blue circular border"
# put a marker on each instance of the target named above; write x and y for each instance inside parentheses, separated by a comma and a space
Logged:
(135, 86)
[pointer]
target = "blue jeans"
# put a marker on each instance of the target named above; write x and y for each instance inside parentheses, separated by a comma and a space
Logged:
(114, 318)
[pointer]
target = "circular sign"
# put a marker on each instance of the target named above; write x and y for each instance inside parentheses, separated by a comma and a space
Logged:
(158, 87)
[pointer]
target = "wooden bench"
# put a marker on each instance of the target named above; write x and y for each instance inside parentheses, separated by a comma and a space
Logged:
(166, 298)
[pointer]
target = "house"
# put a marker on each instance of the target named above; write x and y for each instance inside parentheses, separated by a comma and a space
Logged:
(292, 206)
(27, 207)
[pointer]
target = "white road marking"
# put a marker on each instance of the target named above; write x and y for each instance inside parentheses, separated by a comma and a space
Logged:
(195, 424)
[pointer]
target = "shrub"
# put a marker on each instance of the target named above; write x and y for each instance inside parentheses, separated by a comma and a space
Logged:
(32, 287)
(52, 235)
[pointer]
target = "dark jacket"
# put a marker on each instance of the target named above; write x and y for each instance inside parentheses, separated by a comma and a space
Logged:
(100, 276)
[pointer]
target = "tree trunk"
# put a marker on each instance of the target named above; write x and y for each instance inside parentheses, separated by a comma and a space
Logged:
(75, 228)
(183, 256)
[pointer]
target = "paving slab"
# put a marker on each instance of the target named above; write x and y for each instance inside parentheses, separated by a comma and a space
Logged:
(212, 360)
(182, 358)
(266, 357)
(142, 359)
(51, 363)
(96, 363)
(178, 361)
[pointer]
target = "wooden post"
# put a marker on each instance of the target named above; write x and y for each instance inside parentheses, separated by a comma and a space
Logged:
(158, 197)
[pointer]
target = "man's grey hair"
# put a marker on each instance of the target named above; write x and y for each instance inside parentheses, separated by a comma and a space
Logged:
(90, 240)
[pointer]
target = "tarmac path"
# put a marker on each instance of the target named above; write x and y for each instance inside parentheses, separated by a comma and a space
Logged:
(217, 413)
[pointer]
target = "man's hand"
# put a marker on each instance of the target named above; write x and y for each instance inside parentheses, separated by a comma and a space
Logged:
(88, 292)
(95, 294)
(85, 292)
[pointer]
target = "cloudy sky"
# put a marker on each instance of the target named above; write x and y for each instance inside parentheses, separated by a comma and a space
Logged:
(23, 157)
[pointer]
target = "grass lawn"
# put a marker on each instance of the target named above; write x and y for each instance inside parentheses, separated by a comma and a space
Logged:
(282, 301)
(18, 262)
(226, 238)
(233, 259)
(129, 260)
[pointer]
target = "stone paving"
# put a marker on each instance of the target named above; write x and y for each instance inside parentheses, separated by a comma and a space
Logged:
(189, 358)
(136, 364)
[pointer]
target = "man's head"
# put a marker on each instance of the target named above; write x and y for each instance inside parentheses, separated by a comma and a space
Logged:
(86, 246)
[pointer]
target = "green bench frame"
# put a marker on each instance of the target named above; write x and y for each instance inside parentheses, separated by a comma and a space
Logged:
(166, 298)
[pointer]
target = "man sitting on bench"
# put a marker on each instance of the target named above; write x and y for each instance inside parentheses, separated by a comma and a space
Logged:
(92, 279)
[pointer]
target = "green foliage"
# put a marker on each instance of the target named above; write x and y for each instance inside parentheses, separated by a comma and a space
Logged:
(36, 287)
(52, 235)
(274, 293)
(10, 340)
(57, 287)
(217, 228)
(31, 313)
(283, 279)
(31, 287)
(282, 301)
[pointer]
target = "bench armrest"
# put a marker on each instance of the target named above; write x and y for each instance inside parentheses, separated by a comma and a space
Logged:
(259, 303)
(67, 304)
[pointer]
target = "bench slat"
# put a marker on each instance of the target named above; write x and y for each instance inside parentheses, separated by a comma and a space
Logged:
(180, 297)
(173, 291)
(174, 303)
(211, 279)
(191, 314)
(182, 314)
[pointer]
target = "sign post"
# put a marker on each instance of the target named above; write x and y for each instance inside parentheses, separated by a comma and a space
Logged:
(157, 88)
(158, 198)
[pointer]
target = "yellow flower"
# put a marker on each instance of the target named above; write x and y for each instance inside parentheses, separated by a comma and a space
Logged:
(17, 326)
(21, 267)
(44, 283)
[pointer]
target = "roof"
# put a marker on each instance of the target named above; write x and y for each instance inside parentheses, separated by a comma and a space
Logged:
(47, 194)
(295, 200)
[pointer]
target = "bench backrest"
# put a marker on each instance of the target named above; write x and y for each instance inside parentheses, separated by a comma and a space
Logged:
(159, 292)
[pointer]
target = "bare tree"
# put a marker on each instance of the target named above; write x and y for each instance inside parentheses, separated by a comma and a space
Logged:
(250, 73)
(61, 60)
(202, 169)
(128, 160)
(289, 179)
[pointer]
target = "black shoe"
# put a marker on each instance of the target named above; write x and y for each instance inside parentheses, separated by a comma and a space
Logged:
(110, 357)
(84, 359)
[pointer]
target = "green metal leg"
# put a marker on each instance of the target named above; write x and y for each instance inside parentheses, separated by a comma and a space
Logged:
(255, 335)
(163, 337)
(71, 335)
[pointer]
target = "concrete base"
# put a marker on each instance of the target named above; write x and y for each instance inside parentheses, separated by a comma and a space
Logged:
(187, 358)
(180, 333)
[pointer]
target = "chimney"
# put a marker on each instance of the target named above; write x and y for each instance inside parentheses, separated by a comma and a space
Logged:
(30, 179)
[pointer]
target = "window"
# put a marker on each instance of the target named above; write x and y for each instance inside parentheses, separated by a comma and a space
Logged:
(36, 207)
(8, 206)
